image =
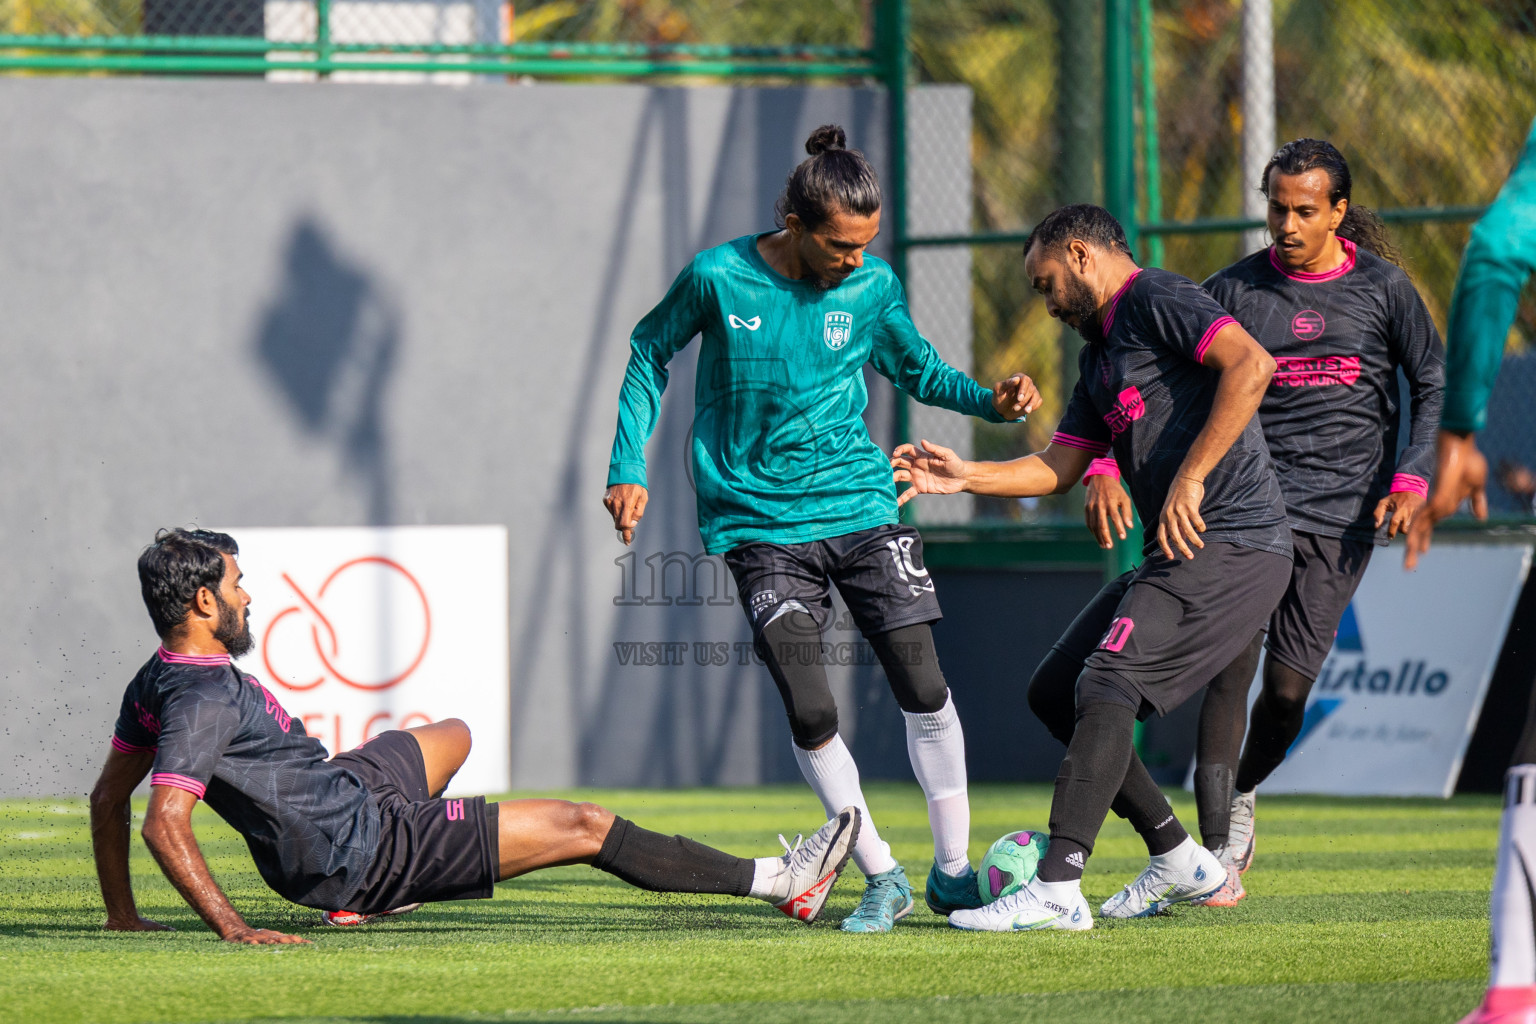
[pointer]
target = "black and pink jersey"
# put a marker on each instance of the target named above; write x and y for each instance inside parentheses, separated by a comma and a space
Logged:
(1143, 392)
(1331, 412)
(312, 828)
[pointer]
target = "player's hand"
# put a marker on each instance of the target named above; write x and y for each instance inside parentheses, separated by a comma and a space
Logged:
(1108, 508)
(1015, 397)
(1397, 511)
(135, 924)
(1461, 472)
(248, 936)
(1179, 526)
(626, 503)
(929, 468)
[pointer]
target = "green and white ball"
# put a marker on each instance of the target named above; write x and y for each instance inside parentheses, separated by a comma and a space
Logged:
(1010, 864)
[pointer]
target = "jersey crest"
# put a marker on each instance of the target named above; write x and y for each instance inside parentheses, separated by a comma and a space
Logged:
(838, 329)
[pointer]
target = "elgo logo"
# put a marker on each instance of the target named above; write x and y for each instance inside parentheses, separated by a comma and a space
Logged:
(750, 325)
(369, 626)
(1307, 324)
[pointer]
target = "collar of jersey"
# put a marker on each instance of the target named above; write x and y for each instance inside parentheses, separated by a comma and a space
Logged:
(1109, 317)
(755, 257)
(171, 658)
(1327, 275)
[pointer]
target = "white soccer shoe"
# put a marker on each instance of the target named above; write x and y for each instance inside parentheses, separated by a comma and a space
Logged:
(1240, 836)
(814, 865)
(1027, 910)
(1161, 885)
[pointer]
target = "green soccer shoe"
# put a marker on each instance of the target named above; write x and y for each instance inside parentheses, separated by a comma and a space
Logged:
(945, 894)
(887, 899)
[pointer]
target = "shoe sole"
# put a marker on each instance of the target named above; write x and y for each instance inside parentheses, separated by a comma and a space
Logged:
(836, 873)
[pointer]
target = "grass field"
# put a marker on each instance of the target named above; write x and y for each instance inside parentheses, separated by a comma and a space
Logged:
(1360, 910)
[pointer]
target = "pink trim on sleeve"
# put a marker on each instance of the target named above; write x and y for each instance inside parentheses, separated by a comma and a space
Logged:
(129, 748)
(1408, 482)
(1210, 336)
(1072, 441)
(192, 786)
(1102, 467)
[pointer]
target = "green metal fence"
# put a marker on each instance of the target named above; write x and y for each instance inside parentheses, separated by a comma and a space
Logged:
(1138, 104)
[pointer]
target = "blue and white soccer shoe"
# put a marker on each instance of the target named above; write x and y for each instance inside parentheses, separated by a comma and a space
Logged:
(887, 899)
(1036, 907)
(946, 894)
(1184, 874)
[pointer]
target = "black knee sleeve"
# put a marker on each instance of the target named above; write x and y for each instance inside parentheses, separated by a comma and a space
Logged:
(1053, 693)
(1096, 687)
(790, 646)
(1089, 779)
(912, 665)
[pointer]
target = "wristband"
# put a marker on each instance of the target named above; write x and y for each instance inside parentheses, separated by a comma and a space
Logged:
(1102, 467)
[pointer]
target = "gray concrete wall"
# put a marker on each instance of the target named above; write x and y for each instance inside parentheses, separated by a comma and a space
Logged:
(245, 303)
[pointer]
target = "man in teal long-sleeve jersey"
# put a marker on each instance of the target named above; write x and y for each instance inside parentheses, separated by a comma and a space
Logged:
(1500, 257)
(798, 498)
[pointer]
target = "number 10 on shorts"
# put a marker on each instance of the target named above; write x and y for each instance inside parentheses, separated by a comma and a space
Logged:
(1118, 633)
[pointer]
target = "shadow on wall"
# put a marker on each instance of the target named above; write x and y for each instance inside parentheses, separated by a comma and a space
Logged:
(331, 340)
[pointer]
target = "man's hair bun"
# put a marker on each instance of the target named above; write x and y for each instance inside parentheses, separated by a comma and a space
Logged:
(827, 137)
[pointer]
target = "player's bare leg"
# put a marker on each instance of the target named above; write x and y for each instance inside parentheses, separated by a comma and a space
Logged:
(444, 746)
(535, 834)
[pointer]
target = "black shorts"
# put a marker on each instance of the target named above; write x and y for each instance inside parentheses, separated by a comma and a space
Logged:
(429, 850)
(1157, 635)
(879, 572)
(1324, 578)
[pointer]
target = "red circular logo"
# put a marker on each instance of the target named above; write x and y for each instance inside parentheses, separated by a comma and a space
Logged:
(1307, 324)
(323, 633)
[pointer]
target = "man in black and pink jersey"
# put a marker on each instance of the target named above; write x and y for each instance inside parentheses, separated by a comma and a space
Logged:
(1329, 302)
(1170, 383)
(365, 832)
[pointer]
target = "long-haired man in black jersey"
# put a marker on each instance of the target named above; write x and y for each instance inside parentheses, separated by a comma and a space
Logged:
(365, 832)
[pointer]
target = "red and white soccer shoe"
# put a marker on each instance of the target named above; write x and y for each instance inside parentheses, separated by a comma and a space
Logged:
(351, 919)
(813, 865)
(1516, 1005)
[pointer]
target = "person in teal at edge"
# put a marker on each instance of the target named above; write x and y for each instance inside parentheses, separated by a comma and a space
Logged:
(1500, 257)
(797, 497)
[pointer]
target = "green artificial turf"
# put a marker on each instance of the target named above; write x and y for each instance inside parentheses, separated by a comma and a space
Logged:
(1359, 910)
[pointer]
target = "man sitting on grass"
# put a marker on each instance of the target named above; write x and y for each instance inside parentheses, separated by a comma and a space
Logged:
(367, 831)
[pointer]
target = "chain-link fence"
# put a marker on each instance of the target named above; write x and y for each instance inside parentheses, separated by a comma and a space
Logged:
(1430, 100)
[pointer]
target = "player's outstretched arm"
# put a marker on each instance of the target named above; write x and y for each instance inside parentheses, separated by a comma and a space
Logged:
(1245, 369)
(1461, 473)
(168, 833)
(110, 835)
(934, 469)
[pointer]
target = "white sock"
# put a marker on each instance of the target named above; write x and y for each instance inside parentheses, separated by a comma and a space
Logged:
(770, 879)
(1057, 892)
(1513, 959)
(1181, 858)
(936, 745)
(834, 778)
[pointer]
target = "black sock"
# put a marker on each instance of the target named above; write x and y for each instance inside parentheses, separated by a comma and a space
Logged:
(1276, 722)
(1090, 776)
(1223, 718)
(650, 860)
(1143, 804)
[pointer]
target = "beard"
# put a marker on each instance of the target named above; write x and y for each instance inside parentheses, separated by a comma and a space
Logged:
(1082, 306)
(234, 630)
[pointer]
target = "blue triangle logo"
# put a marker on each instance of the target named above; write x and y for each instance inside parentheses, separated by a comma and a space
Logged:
(1348, 636)
(1317, 711)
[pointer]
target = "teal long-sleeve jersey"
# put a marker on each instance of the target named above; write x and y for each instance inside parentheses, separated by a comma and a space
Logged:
(779, 447)
(1499, 257)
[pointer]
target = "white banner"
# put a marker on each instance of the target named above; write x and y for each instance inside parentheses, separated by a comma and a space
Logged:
(1396, 702)
(360, 630)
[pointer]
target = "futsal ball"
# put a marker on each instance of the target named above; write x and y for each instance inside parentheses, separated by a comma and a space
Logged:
(1010, 863)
